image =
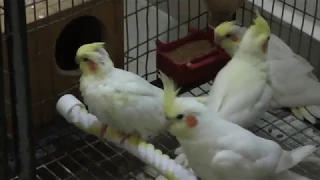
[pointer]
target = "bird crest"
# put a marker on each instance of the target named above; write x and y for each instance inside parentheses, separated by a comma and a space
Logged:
(225, 27)
(82, 50)
(260, 25)
(170, 94)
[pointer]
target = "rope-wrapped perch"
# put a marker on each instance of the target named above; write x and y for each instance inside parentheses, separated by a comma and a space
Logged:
(75, 112)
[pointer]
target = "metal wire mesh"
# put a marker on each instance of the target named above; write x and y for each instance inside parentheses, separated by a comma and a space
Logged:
(294, 21)
(64, 152)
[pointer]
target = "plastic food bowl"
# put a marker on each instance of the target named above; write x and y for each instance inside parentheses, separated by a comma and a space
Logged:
(196, 71)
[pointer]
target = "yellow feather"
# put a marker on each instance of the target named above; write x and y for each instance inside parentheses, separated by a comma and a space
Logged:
(82, 50)
(224, 28)
(261, 26)
(170, 94)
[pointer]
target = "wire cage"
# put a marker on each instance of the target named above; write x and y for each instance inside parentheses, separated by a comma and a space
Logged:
(40, 41)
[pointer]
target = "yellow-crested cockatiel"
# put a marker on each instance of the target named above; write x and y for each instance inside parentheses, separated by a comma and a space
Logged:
(119, 98)
(241, 91)
(293, 83)
(217, 148)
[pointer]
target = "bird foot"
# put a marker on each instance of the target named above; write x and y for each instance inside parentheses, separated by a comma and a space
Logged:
(103, 130)
(124, 137)
(128, 135)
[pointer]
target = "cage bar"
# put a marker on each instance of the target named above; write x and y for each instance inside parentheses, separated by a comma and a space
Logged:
(64, 152)
(3, 121)
(15, 19)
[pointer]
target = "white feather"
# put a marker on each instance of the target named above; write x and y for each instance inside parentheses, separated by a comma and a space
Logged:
(307, 115)
(240, 92)
(314, 110)
(216, 154)
(289, 175)
(125, 100)
(293, 82)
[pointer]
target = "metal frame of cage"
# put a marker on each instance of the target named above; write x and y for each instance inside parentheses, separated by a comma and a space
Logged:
(16, 26)
(16, 33)
(17, 43)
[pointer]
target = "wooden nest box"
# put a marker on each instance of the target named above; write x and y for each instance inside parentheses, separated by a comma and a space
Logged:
(56, 29)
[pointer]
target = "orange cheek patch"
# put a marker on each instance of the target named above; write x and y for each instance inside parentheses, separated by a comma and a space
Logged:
(235, 38)
(191, 121)
(92, 66)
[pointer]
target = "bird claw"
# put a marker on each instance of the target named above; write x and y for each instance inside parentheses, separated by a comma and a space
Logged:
(182, 160)
(178, 151)
(124, 137)
(103, 130)
(128, 135)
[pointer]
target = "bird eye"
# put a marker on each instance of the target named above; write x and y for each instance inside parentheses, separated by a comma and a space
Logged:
(179, 116)
(85, 59)
(228, 35)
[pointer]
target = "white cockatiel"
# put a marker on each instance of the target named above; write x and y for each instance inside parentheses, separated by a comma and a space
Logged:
(294, 85)
(241, 92)
(120, 98)
(218, 149)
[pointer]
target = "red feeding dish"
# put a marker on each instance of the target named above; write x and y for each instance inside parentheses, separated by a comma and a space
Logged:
(192, 60)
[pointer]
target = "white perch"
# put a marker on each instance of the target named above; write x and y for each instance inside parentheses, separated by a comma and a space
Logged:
(75, 112)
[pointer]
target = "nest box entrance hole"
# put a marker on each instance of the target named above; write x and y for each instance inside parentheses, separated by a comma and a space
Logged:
(83, 30)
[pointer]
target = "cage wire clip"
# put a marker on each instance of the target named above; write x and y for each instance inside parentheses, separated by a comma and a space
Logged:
(75, 112)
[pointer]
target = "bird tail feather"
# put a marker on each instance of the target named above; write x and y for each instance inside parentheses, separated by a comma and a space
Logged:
(289, 159)
(314, 110)
(289, 175)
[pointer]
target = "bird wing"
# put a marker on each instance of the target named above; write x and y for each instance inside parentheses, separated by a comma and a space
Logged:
(134, 103)
(293, 82)
(128, 82)
(291, 75)
(278, 47)
(258, 154)
(289, 159)
(232, 165)
(234, 101)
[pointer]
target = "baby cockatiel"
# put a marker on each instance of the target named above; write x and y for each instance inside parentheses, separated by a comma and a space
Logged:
(293, 83)
(240, 92)
(120, 98)
(218, 149)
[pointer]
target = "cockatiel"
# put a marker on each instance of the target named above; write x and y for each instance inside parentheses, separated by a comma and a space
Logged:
(293, 83)
(240, 92)
(120, 98)
(218, 149)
